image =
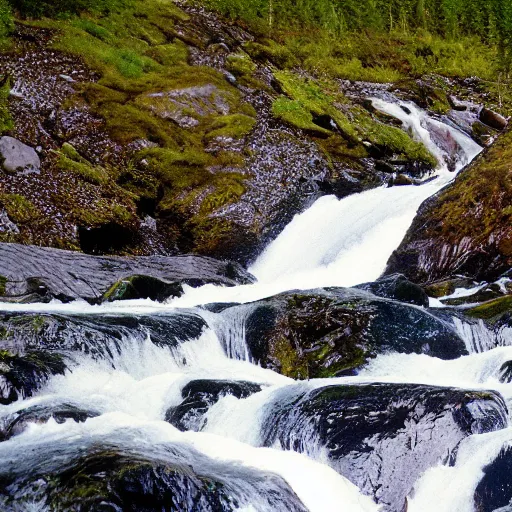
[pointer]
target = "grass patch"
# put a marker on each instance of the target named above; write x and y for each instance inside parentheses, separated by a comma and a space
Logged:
(19, 209)
(6, 121)
(308, 101)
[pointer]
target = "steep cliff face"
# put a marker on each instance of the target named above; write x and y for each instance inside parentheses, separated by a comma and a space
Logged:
(467, 228)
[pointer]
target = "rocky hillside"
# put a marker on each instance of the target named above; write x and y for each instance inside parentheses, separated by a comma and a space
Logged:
(467, 228)
(162, 129)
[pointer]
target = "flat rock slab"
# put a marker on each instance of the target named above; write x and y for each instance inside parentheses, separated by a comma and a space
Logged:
(16, 157)
(33, 274)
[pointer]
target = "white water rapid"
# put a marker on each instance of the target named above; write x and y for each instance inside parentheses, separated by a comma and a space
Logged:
(128, 389)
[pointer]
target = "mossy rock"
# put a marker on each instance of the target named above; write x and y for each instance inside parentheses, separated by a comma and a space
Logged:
(19, 209)
(143, 287)
(465, 228)
(492, 310)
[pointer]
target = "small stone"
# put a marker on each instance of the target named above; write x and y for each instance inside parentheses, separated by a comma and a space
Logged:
(16, 157)
(67, 78)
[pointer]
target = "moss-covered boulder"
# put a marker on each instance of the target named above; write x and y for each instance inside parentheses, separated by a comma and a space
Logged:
(91, 473)
(466, 228)
(334, 331)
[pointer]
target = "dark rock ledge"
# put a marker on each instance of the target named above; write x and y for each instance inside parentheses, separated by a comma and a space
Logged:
(35, 274)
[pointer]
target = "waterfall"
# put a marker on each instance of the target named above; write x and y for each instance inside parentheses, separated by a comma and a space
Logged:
(479, 338)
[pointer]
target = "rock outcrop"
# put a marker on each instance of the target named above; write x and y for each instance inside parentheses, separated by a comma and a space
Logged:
(328, 332)
(466, 229)
(199, 396)
(38, 274)
(380, 436)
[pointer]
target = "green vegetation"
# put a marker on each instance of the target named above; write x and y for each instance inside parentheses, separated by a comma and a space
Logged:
(19, 209)
(6, 122)
(477, 205)
(493, 309)
(36, 8)
(309, 100)
(491, 20)
(6, 23)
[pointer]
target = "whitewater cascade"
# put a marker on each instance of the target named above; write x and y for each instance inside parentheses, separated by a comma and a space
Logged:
(128, 390)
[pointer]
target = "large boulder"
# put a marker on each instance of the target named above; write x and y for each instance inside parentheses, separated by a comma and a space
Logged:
(16, 157)
(199, 396)
(100, 336)
(40, 274)
(329, 332)
(88, 473)
(465, 228)
(382, 437)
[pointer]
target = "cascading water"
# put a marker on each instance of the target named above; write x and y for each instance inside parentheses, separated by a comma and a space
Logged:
(269, 448)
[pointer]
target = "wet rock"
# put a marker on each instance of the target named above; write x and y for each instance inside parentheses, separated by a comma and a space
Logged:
(15, 423)
(401, 180)
(494, 491)
(397, 287)
(52, 273)
(455, 235)
(329, 332)
(494, 311)
(482, 133)
(97, 475)
(22, 375)
(143, 287)
(489, 292)
(457, 104)
(100, 336)
(447, 286)
(493, 119)
(382, 437)
(199, 396)
(16, 157)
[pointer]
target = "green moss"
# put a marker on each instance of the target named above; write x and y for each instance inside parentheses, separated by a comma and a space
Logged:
(240, 64)
(169, 54)
(234, 126)
(3, 283)
(6, 121)
(103, 211)
(82, 168)
(294, 113)
(291, 365)
(269, 50)
(477, 204)
(393, 139)
(228, 190)
(492, 309)
(19, 208)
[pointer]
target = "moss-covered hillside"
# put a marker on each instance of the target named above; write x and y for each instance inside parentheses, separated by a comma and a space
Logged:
(467, 228)
(164, 127)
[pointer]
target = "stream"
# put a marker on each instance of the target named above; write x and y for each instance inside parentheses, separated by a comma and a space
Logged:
(198, 424)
